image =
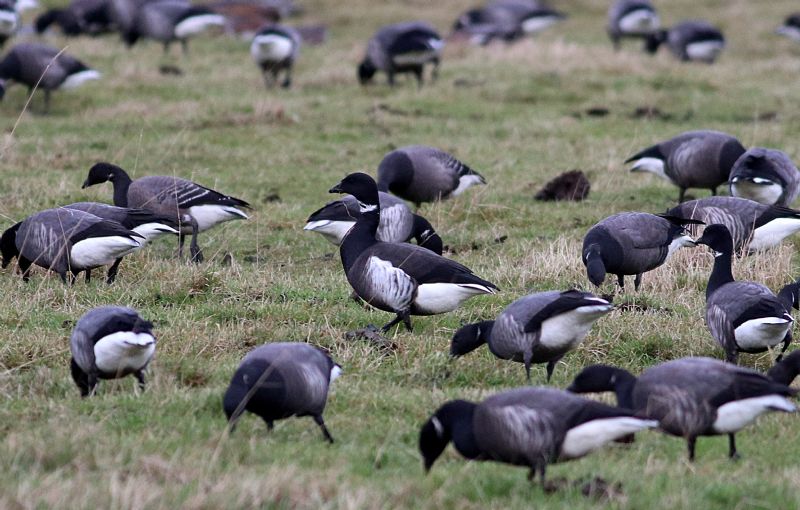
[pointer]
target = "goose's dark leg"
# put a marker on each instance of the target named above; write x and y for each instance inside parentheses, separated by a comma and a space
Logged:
(181, 239)
(112, 271)
(25, 267)
(80, 378)
(63, 277)
(287, 77)
(552, 365)
(714, 191)
(418, 75)
(681, 195)
(621, 281)
(526, 359)
(140, 377)
(92, 382)
(404, 316)
(690, 443)
(88, 275)
(194, 249)
(732, 453)
(390, 78)
(185, 47)
(435, 70)
(787, 340)
(637, 281)
(732, 356)
(318, 419)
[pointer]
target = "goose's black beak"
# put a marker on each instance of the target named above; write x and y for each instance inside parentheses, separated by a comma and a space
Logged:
(336, 189)
(85, 184)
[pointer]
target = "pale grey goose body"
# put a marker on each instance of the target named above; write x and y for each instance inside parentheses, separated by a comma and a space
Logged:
(691, 40)
(631, 19)
(274, 49)
(765, 175)
(168, 21)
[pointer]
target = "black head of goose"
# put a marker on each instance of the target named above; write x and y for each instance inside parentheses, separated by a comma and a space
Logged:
(419, 173)
(530, 427)
(166, 21)
(790, 27)
(537, 328)
(195, 207)
(401, 48)
(767, 176)
(741, 316)
(790, 295)
(274, 49)
(80, 17)
(281, 380)
(110, 342)
(691, 397)
(398, 224)
(694, 159)
(692, 40)
(632, 243)
(67, 241)
(9, 21)
(399, 277)
(631, 19)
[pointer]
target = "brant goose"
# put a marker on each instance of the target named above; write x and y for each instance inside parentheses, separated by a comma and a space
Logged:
(791, 27)
(170, 20)
(80, 17)
(9, 21)
(401, 48)
(767, 176)
(507, 20)
(274, 49)
(786, 370)
(693, 40)
(631, 19)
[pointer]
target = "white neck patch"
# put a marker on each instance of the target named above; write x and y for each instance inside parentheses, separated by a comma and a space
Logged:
(438, 426)
(364, 208)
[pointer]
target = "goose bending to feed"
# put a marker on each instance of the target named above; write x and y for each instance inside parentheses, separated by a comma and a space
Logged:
(530, 427)
(80, 17)
(767, 176)
(632, 243)
(419, 173)
(692, 40)
(741, 316)
(281, 380)
(195, 207)
(9, 21)
(691, 397)
(785, 371)
(402, 48)
(110, 342)
(275, 49)
(167, 21)
(398, 224)
(694, 159)
(791, 27)
(631, 19)
(67, 241)
(399, 277)
(537, 328)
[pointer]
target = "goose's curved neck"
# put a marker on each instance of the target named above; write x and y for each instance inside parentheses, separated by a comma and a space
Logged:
(623, 388)
(721, 273)
(121, 183)
(362, 235)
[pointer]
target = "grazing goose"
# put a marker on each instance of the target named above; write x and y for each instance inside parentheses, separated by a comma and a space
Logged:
(791, 27)
(419, 173)
(753, 226)
(398, 224)
(9, 21)
(537, 328)
(67, 241)
(631, 19)
(691, 397)
(530, 427)
(632, 243)
(110, 342)
(741, 316)
(27, 63)
(790, 295)
(80, 17)
(401, 48)
(195, 207)
(274, 49)
(693, 40)
(399, 277)
(281, 380)
(767, 176)
(694, 159)
(167, 21)
(785, 371)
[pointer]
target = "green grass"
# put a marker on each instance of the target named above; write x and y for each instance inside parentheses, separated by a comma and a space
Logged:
(517, 114)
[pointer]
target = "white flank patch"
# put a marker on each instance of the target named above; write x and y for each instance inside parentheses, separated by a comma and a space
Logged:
(639, 22)
(336, 371)
(764, 192)
(333, 231)
(679, 242)
(436, 44)
(651, 165)
(152, 230)
(197, 24)
(591, 435)
(124, 351)
(538, 23)
(771, 234)
(465, 182)
(761, 333)
(78, 79)
(100, 251)
(705, 51)
(271, 48)
(568, 329)
(8, 22)
(414, 57)
(791, 32)
(209, 215)
(26, 5)
(736, 415)
(436, 298)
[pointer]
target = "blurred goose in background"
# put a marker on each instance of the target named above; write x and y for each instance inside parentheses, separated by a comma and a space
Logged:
(167, 21)
(110, 342)
(281, 380)
(507, 20)
(275, 49)
(537, 328)
(791, 27)
(767, 176)
(194, 207)
(694, 159)
(80, 17)
(691, 397)
(692, 40)
(402, 48)
(530, 427)
(742, 316)
(9, 21)
(631, 19)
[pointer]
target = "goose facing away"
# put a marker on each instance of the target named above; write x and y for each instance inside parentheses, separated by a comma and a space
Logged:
(110, 342)
(167, 21)
(631, 19)
(401, 48)
(530, 427)
(790, 27)
(691, 397)
(275, 49)
(195, 207)
(9, 21)
(281, 380)
(399, 277)
(537, 328)
(767, 176)
(694, 159)
(692, 40)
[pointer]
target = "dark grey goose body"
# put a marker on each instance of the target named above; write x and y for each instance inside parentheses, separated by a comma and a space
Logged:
(402, 48)
(765, 175)
(398, 224)
(194, 207)
(280, 380)
(537, 328)
(275, 49)
(632, 243)
(122, 14)
(505, 20)
(691, 40)
(419, 173)
(79, 17)
(110, 342)
(691, 397)
(530, 427)
(694, 159)
(631, 19)
(67, 241)
(741, 316)
(168, 21)
(399, 277)
(9, 21)
(790, 27)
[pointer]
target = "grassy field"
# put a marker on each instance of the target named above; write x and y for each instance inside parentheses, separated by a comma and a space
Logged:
(518, 115)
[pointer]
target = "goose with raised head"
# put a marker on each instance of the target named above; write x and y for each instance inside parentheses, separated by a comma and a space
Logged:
(767, 176)
(402, 48)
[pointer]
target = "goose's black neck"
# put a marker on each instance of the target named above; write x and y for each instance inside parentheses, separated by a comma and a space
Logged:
(10, 67)
(459, 422)
(121, 182)
(362, 235)
(721, 273)
(624, 382)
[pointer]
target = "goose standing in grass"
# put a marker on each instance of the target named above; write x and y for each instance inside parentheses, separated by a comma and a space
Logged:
(402, 48)
(399, 277)
(692, 40)
(419, 173)
(110, 342)
(767, 176)
(790, 27)
(631, 19)
(9, 21)
(398, 224)
(507, 20)
(80, 17)
(281, 380)
(530, 427)
(36, 65)
(67, 241)
(275, 49)
(537, 328)
(694, 159)
(195, 207)
(632, 243)
(691, 397)
(741, 316)
(167, 21)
